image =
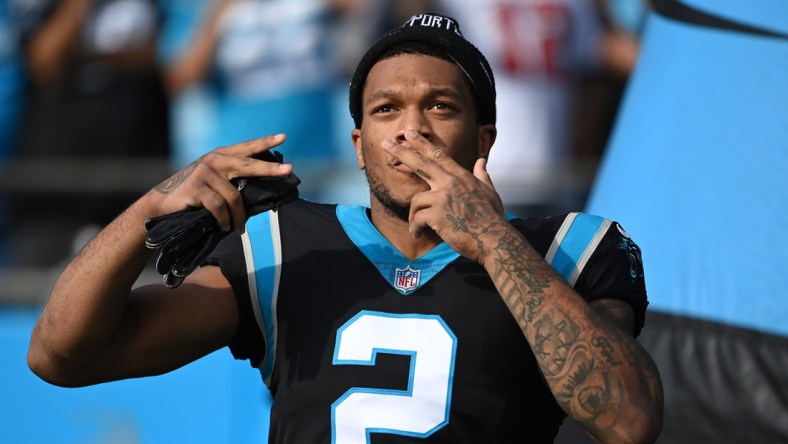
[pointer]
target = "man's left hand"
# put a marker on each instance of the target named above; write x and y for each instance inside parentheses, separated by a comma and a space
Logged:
(461, 207)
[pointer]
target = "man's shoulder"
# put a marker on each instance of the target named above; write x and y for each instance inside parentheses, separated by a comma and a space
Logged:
(575, 227)
(562, 222)
(298, 210)
(305, 208)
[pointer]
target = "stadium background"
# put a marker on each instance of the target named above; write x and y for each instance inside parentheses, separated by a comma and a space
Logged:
(696, 172)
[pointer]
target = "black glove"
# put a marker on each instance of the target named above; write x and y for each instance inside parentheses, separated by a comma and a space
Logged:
(185, 238)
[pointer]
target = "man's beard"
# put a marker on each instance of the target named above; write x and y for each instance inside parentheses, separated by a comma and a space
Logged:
(400, 210)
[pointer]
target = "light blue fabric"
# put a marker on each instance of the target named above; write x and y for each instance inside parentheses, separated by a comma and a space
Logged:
(214, 400)
(582, 232)
(696, 169)
(305, 116)
(629, 15)
(265, 261)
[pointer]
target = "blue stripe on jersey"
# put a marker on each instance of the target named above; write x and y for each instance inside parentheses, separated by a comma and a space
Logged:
(384, 256)
(263, 270)
(579, 232)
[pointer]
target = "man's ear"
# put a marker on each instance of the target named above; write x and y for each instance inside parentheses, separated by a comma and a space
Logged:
(356, 136)
(487, 135)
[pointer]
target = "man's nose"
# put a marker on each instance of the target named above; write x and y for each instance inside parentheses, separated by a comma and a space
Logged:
(415, 120)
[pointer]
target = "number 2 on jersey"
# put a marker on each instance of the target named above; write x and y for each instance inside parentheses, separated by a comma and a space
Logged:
(418, 411)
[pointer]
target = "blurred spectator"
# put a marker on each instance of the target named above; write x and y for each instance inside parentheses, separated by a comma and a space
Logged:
(191, 102)
(257, 67)
(94, 92)
(96, 85)
(600, 92)
(363, 22)
(11, 81)
(11, 96)
(539, 51)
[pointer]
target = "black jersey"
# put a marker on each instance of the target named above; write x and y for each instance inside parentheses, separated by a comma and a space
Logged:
(359, 344)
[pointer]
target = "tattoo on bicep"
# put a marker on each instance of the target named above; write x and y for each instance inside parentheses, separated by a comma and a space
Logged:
(178, 178)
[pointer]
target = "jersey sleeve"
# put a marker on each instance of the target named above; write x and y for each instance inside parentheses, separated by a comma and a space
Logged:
(615, 270)
(594, 255)
(229, 257)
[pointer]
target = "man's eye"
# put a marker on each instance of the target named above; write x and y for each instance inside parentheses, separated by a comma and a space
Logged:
(442, 105)
(384, 109)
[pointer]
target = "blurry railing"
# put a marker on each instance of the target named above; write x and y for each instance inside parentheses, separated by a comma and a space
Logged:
(42, 181)
(44, 177)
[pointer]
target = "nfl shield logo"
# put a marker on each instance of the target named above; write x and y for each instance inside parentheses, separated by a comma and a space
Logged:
(407, 279)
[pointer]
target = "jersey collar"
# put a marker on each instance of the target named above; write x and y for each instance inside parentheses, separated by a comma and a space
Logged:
(402, 274)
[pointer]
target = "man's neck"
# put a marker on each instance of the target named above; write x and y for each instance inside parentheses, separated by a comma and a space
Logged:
(396, 231)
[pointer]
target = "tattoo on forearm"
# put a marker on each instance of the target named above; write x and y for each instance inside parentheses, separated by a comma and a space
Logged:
(606, 350)
(578, 381)
(522, 277)
(555, 336)
(589, 366)
(596, 373)
(178, 178)
(586, 387)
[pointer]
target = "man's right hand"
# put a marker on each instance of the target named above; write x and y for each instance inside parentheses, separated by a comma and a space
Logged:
(98, 326)
(206, 182)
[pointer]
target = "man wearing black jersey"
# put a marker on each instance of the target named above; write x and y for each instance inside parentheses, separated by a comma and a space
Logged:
(430, 316)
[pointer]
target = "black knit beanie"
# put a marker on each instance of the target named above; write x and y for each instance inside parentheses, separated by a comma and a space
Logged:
(442, 33)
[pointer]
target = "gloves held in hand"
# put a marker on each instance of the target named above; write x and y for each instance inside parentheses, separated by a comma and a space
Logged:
(184, 238)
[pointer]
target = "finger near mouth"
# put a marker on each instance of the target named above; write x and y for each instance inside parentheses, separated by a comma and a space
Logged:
(399, 166)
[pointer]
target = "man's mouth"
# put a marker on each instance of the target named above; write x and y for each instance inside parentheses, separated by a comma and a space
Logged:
(399, 166)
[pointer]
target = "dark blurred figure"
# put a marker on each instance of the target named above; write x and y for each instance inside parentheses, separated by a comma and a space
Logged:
(95, 93)
(11, 82)
(363, 22)
(12, 98)
(601, 91)
(96, 87)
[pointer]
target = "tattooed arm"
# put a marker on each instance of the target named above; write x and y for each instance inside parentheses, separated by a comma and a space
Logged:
(95, 328)
(597, 372)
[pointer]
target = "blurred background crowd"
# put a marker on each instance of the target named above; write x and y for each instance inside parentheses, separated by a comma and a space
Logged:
(102, 99)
